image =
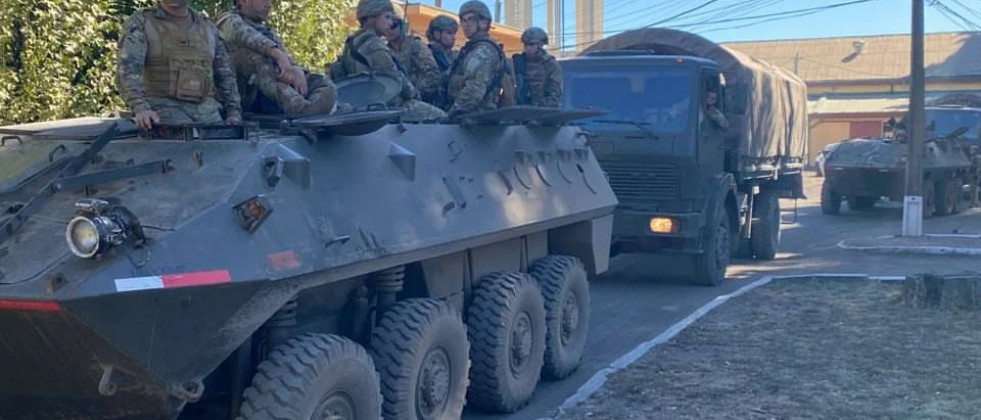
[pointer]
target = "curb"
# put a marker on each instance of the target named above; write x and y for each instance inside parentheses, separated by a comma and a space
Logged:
(598, 380)
(912, 250)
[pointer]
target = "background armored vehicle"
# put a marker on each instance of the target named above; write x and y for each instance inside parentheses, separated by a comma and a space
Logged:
(861, 171)
(686, 186)
(277, 275)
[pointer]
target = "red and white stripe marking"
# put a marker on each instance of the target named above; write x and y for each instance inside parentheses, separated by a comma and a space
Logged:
(166, 281)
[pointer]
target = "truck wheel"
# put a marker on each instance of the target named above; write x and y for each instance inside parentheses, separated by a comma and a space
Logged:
(929, 199)
(766, 230)
(830, 200)
(421, 350)
(947, 197)
(565, 289)
(860, 203)
(314, 376)
(506, 327)
(710, 266)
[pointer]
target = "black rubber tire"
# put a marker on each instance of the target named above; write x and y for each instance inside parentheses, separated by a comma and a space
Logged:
(946, 197)
(765, 237)
(422, 354)
(505, 305)
(857, 203)
(830, 200)
(565, 288)
(929, 199)
(710, 266)
(294, 381)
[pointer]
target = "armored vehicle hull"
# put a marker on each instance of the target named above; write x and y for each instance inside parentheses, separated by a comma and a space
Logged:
(276, 274)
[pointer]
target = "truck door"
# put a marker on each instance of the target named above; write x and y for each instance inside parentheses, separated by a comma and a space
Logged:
(712, 121)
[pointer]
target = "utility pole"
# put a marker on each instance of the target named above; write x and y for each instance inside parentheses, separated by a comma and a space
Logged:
(913, 203)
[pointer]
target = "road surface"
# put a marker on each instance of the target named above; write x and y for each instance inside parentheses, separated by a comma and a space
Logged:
(642, 295)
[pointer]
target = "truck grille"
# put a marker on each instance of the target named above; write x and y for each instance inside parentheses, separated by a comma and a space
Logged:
(642, 182)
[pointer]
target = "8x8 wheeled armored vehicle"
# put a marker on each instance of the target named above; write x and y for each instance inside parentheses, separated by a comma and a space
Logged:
(339, 267)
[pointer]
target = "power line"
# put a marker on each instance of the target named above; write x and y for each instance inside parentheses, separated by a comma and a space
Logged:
(694, 9)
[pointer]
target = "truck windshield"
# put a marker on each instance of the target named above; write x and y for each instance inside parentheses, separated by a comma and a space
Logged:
(942, 122)
(658, 97)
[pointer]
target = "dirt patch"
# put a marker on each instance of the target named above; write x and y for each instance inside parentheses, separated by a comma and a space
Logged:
(805, 349)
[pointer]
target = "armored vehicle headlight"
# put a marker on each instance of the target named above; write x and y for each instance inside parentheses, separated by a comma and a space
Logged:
(83, 237)
(98, 226)
(661, 224)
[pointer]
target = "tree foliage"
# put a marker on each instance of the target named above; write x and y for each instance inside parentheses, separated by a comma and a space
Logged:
(58, 57)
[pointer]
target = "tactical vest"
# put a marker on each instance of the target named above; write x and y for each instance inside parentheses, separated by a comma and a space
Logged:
(442, 60)
(179, 59)
(502, 84)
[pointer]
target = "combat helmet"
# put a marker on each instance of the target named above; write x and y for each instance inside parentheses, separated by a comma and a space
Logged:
(534, 34)
(441, 23)
(369, 8)
(476, 7)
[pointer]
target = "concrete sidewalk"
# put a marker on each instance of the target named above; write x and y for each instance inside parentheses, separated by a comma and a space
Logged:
(946, 244)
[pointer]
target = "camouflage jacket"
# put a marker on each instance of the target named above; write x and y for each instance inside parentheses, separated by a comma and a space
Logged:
(132, 60)
(539, 80)
(475, 77)
(364, 51)
(249, 45)
(444, 57)
(418, 63)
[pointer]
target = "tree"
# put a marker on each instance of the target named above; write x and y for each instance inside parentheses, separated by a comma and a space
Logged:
(58, 57)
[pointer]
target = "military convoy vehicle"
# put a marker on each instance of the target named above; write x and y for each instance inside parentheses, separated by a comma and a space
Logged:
(862, 171)
(684, 185)
(345, 266)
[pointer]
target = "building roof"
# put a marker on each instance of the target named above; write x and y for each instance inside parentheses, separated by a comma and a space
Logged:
(868, 105)
(870, 58)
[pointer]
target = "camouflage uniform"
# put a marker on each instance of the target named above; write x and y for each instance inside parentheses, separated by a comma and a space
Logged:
(248, 43)
(444, 57)
(475, 77)
(539, 80)
(177, 67)
(717, 118)
(364, 52)
(418, 63)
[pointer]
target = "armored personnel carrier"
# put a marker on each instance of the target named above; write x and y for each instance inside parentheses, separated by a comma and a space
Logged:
(345, 266)
(861, 171)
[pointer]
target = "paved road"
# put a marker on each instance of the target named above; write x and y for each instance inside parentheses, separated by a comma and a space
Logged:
(642, 295)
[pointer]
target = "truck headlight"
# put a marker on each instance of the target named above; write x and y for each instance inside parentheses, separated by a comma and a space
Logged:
(661, 224)
(83, 237)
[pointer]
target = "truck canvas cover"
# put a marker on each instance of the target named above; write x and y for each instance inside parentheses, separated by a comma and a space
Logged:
(771, 132)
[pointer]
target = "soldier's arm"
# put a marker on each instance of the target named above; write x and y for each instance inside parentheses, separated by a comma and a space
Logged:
(234, 30)
(226, 86)
(431, 78)
(130, 63)
(553, 86)
(478, 71)
(380, 60)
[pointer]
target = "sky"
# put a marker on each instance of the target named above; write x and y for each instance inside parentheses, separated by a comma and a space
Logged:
(872, 17)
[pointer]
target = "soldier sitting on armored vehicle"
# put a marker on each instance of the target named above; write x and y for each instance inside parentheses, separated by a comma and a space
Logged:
(173, 68)
(442, 37)
(475, 78)
(417, 61)
(269, 80)
(539, 77)
(364, 52)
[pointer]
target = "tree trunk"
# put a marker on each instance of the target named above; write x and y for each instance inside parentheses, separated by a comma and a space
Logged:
(961, 292)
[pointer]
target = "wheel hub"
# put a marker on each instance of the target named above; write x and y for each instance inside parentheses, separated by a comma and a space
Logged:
(570, 318)
(521, 342)
(433, 384)
(338, 405)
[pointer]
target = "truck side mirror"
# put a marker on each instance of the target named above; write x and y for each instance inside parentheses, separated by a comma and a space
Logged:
(737, 100)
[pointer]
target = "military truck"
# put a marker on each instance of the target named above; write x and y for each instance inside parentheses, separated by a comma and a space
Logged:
(862, 171)
(342, 266)
(686, 186)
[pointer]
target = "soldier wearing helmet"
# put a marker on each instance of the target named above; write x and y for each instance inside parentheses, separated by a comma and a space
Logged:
(442, 37)
(365, 52)
(539, 78)
(417, 61)
(173, 68)
(476, 74)
(268, 78)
